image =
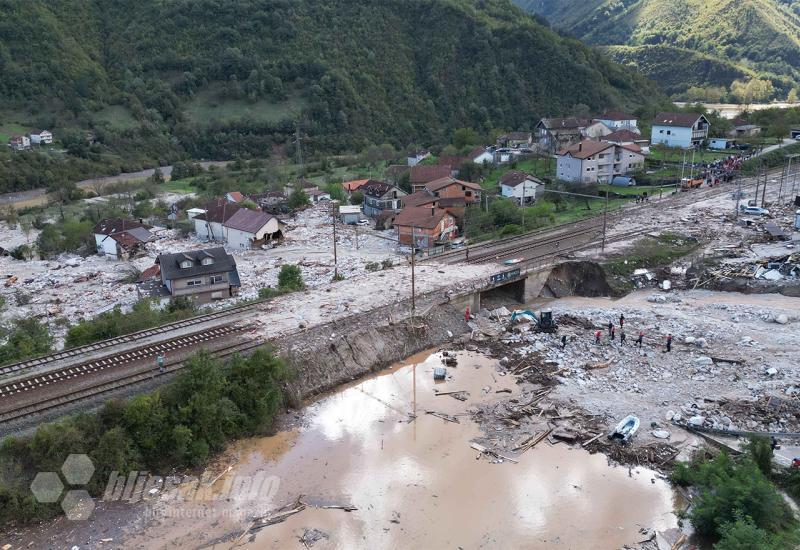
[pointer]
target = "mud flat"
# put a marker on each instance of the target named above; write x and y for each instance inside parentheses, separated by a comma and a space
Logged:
(412, 477)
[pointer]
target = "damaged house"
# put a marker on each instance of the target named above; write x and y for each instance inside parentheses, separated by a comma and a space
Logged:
(119, 239)
(205, 275)
(251, 229)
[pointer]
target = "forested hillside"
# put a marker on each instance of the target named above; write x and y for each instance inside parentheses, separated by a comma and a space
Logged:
(157, 80)
(741, 50)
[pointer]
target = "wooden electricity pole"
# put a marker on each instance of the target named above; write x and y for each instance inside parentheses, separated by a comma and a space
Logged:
(335, 260)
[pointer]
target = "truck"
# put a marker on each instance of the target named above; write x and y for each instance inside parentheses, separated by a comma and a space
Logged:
(693, 183)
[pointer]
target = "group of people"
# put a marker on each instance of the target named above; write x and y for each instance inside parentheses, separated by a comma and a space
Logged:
(612, 335)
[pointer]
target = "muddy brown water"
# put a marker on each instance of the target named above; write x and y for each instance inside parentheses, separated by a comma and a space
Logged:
(418, 484)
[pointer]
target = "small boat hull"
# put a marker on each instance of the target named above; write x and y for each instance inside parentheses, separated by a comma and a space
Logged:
(626, 429)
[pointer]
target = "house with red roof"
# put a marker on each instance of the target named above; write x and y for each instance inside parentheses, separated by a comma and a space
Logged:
(420, 176)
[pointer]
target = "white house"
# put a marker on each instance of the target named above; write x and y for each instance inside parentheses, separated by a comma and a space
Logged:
(41, 137)
(480, 155)
(249, 229)
(208, 225)
(19, 143)
(679, 129)
(192, 212)
(597, 161)
(618, 121)
(117, 238)
(415, 157)
(522, 187)
(595, 130)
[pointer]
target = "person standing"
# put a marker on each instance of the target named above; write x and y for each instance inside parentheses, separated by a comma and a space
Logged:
(639, 339)
(622, 336)
(621, 320)
(597, 337)
(613, 332)
(563, 341)
(610, 327)
(669, 342)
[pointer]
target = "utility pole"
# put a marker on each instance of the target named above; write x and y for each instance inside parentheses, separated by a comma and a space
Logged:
(298, 144)
(738, 194)
(683, 165)
(413, 274)
(356, 226)
(784, 171)
(764, 190)
(605, 215)
(794, 182)
(691, 171)
(523, 205)
(335, 259)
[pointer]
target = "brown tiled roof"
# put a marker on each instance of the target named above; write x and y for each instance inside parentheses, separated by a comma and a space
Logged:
(152, 272)
(109, 226)
(419, 198)
(570, 123)
(585, 149)
(453, 162)
(615, 115)
(632, 147)
(249, 221)
(236, 196)
(424, 174)
(622, 135)
(515, 177)
(441, 183)
(423, 217)
(397, 169)
(680, 120)
(125, 239)
(218, 211)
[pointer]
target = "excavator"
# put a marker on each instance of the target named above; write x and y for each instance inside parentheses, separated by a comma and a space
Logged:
(544, 322)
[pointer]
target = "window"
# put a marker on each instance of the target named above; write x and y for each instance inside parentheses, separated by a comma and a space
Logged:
(661, 131)
(669, 132)
(207, 261)
(217, 279)
(195, 282)
(185, 264)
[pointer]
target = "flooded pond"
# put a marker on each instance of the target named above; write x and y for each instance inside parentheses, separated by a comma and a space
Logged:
(417, 483)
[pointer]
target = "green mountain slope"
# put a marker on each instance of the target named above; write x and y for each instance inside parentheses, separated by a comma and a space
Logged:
(741, 38)
(214, 78)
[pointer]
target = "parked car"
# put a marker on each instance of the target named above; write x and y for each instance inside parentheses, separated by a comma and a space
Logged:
(362, 223)
(754, 210)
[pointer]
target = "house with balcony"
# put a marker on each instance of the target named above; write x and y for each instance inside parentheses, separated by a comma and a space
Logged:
(424, 226)
(683, 130)
(380, 197)
(598, 161)
(203, 275)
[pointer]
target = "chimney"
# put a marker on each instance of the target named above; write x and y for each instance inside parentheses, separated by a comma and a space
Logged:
(433, 210)
(580, 147)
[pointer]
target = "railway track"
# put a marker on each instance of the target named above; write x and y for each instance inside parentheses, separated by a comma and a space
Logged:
(128, 338)
(101, 388)
(88, 368)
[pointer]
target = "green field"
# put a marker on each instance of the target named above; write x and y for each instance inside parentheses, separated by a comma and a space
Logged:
(8, 129)
(207, 107)
(651, 190)
(116, 116)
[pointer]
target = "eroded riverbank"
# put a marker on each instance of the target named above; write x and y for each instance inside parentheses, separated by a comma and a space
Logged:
(415, 481)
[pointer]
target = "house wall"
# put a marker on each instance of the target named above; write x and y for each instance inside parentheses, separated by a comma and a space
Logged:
(426, 238)
(671, 136)
(181, 287)
(106, 246)
(596, 130)
(239, 239)
(457, 191)
(620, 124)
(568, 168)
(212, 231)
(484, 158)
(630, 162)
(530, 188)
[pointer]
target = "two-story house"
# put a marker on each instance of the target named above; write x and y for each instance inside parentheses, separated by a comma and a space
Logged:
(204, 275)
(597, 161)
(679, 129)
(424, 226)
(420, 176)
(41, 137)
(555, 133)
(380, 197)
(118, 238)
(19, 143)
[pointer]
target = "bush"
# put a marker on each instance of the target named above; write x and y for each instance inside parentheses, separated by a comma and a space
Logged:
(760, 451)
(298, 199)
(357, 198)
(511, 229)
(182, 425)
(290, 279)
(27, 338)
(372, 267)
(268, 293)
